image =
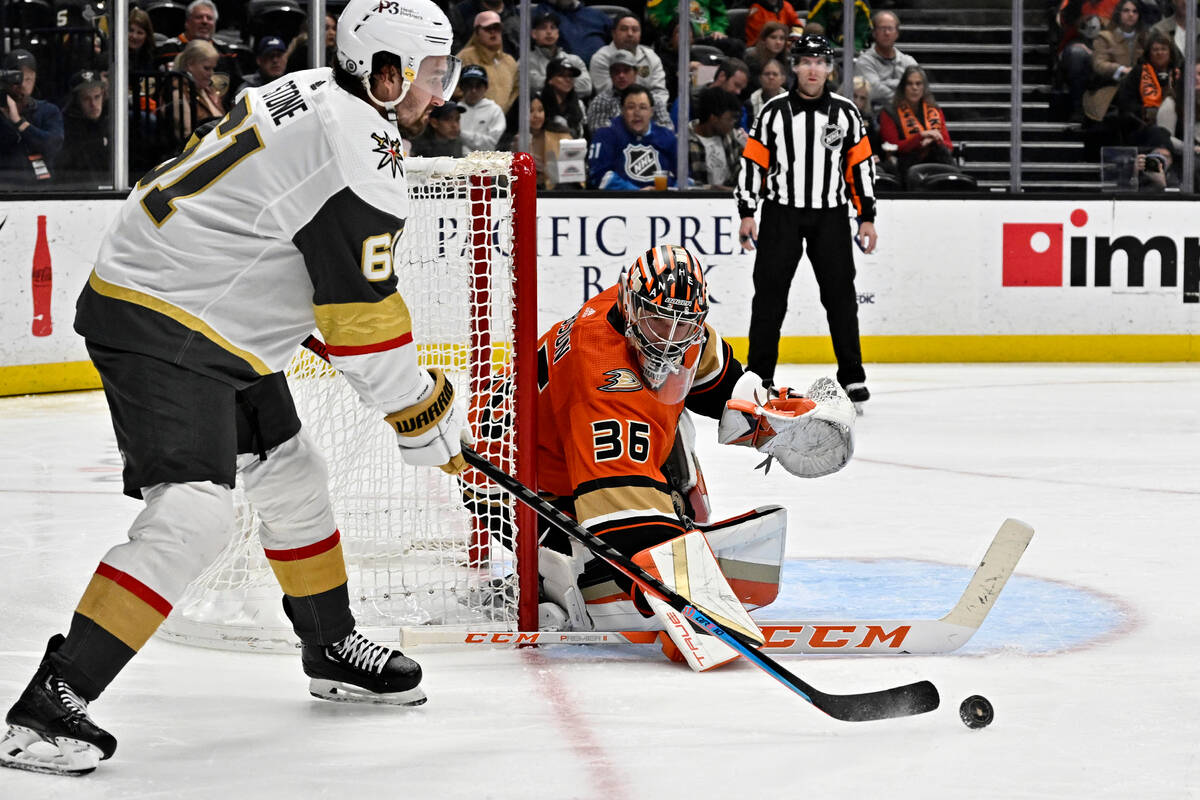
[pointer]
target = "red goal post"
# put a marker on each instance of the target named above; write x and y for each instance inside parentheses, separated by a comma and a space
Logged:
(422, 548)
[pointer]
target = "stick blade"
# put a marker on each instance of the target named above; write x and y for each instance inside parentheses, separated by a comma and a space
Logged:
(901, 701)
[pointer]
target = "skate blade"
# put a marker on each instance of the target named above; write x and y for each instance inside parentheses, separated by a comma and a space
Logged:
(62, 756)
(348, 693)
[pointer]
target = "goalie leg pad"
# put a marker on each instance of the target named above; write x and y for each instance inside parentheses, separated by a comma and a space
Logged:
(560, 584)
(686, 564)
(749, 551)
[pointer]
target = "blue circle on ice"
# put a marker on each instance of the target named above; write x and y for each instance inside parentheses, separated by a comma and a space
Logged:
(1031, 615)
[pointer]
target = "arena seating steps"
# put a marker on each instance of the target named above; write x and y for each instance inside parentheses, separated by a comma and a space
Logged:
(967, 53)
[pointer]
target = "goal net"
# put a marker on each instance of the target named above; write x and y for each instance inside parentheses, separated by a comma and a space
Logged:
(421, 547)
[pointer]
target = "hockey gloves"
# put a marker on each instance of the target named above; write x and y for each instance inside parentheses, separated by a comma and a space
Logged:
(433, 430)
(810, 434)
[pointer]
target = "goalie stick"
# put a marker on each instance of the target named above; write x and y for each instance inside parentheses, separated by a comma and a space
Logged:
(899, 701)
(844, 637)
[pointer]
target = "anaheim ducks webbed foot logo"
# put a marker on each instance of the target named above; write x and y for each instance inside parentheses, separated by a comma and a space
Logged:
(621, 380)
(391, 153)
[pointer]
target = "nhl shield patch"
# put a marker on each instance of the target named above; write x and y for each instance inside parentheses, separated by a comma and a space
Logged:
(831, 136)
(641, 162)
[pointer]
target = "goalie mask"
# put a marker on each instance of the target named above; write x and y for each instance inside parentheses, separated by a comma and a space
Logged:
(416, 32)
(664, 301)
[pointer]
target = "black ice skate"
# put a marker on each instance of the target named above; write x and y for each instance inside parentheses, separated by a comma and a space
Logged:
(858, 394)
(49, 727)
(358, 670)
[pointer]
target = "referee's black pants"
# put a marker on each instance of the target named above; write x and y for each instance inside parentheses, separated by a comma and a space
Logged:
(781, 238)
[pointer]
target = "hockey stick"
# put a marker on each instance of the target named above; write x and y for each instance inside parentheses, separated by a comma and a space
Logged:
(845, 637)
(900, 701)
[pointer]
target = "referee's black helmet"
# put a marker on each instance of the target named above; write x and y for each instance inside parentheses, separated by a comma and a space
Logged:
(811, 44)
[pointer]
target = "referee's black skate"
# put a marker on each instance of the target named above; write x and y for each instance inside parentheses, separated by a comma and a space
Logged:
(858, 394)
(49, 727)
(360, 671)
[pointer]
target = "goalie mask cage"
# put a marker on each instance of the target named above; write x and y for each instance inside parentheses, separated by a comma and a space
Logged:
(421, 547)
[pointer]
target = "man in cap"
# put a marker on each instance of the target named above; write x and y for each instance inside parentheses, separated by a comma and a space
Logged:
(272, 62)
(627, 37)
(443, 135)
(31, 131)
(482, 121)
(583, 29)
(485, 49)
(86, 156)
(544, 33)
(623, 73)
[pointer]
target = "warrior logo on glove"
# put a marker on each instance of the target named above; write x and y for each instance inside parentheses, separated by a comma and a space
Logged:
(664, 300)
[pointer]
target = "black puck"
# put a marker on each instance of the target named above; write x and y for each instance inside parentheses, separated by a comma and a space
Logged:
(976, 711)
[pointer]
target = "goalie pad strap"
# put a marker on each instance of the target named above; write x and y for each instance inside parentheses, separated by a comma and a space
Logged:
(424, 415)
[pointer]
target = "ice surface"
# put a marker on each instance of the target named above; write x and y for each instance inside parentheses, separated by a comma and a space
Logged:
(1090, 657)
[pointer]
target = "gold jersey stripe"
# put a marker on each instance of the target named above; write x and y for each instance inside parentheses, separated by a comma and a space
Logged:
(119, 611)
(608, 500)
(312, 575)
(187, 320)
(710, 359)
(359, 324)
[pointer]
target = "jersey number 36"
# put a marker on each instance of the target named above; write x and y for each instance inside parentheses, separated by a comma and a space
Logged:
(611, 440)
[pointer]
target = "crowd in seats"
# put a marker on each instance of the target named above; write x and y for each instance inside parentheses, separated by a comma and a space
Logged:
(1120, 68)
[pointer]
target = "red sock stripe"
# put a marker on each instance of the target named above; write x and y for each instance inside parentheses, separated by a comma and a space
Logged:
(308, 551)
(135, 587)
(375, 347)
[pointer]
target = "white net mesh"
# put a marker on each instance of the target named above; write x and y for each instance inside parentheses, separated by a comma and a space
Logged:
(415, 554)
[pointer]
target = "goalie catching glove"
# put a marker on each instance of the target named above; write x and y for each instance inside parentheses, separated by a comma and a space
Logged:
(433, 429)
(810, 435)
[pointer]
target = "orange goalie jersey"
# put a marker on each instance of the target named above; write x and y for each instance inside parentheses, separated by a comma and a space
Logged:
(603, 437)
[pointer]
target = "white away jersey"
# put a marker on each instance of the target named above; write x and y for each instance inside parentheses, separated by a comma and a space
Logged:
(281, 219)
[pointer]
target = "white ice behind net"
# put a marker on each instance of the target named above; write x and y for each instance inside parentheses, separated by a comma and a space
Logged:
(406, 535)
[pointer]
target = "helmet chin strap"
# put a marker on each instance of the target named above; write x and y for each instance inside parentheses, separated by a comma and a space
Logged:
(389, 106)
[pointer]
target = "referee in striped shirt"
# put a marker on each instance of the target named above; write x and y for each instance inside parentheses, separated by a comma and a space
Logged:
(807, 158)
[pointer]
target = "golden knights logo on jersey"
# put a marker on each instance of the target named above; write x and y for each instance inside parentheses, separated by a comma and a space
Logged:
(391, 152)
(641, 162)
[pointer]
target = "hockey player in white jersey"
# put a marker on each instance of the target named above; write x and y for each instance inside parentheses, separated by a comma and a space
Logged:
(281, 219)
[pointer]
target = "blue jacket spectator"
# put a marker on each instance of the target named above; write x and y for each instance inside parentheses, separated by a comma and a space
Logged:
(581, 30)
(31, 131)
(632, 150)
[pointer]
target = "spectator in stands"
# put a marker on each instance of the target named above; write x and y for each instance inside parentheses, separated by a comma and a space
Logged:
(200, 25)
(763, 12)
(485, 49)
(462, 17)
(915, 125)
(442, 136)
(713, 150)
(1114, 52)
(1155, 163)
(883, 154)
(272, 61)
(199, 100)
(582, 30)
(633, 150)
(733, 76)
(560, 99)
(882, 64)
(482, 122)
(826, 16)
(31, 131)
(710, 23)
(623, 73)
(627, 38)
(544, 32)
(141, 40)
(1144, 88)
(297, 49)
(1174, 26)
(772, 46)
(544, 139)
(1170, 116)
(772, 82)
(86, 157)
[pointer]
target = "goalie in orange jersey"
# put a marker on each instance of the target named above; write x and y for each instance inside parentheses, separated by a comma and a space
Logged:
(615, 383)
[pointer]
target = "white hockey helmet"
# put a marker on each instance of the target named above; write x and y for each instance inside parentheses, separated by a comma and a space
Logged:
(415, 31)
